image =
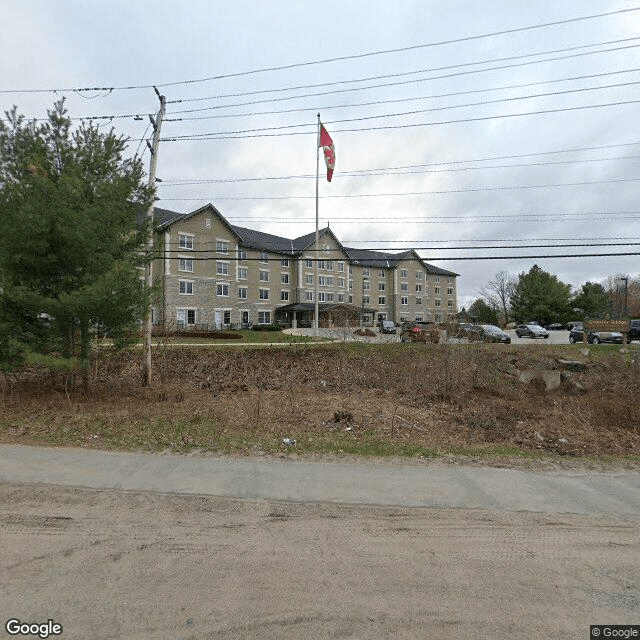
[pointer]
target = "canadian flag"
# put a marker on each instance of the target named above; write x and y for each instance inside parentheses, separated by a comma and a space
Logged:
(329, 151)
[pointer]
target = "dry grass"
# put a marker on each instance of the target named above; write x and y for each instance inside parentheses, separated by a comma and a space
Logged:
(352, 398)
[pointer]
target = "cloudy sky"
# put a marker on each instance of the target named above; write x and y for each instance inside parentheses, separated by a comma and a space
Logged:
(468, 129)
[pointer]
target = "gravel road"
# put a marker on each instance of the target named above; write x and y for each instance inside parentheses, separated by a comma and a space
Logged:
(135, 563)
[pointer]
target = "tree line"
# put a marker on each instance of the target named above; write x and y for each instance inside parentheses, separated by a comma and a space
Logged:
(539, 296)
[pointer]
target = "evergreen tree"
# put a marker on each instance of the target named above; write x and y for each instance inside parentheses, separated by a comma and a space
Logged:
(483, 312)
(592, 300)
(540, 297)
(70, 243)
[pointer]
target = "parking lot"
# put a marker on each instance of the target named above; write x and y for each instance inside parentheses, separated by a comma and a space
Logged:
(347, 334)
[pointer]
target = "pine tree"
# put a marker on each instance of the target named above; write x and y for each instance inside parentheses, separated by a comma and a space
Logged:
(70, 243)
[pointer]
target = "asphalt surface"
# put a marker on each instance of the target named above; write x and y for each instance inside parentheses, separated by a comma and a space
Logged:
(428, 485)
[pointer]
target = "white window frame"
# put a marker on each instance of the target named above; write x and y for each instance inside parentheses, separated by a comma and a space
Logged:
(222, 268)
(182, 264)
(284, 295)
(222, 289)
(263, 276)
(243, 273)
(243, 293)
(185, 284)
(264, 317)
(187, 238)
(222, 246)
(263, 294)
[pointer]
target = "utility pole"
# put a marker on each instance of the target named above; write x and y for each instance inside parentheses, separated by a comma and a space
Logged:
(148, 320)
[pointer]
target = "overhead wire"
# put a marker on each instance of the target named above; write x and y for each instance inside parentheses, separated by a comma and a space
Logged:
(333, 59)
(408, 73)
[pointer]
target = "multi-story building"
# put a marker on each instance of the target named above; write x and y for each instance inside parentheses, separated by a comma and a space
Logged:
(212, 273)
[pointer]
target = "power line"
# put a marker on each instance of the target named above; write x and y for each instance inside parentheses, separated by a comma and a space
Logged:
(404, 82)
(390, 101)
(182, 183)
(239, 135)
(409, 73)
(416, 193)
(435, 164)
(329, 60)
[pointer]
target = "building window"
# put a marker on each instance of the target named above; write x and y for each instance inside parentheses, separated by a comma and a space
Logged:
(185, 264)
(438, 317)
(418, 288)
(450, 280)
(222, 289)
(329, 265)
(449, 303)
(186, 287)
(449, 291)
(321, 296)
(341, 297)
(350, 298)
(284, 296)
(222, 268)
(226, 317)
(418, 301)
(263, 294)
(329, 281)
(366, 300)
(284, 263)
(308, 279)
(308, 296)
(404, 286)
(242, 273)
(264, 257)
(264, 276)
(403, 273)
(437, 278)
(222, 246)
(341, 282)
(438, 303)
(321, 281)
(380, 286)
(404, 300)
(242, 254)
(382, 273)
(365, 285)
(242, 293)
(418, 275)
(185, 241)
(350, 270)
(264, 317)
(322, 264)
(381, 300)
(341, 266)
(437, 291)
(329, 296)
(284, 278)
(365, 272)
(185, 317)
(309, 263)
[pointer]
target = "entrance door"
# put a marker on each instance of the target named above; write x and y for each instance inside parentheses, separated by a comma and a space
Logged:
(218, 319)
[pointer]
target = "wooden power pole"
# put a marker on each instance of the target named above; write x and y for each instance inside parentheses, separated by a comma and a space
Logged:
(148, 320)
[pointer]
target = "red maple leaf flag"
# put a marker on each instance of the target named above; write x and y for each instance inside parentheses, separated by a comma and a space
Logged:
(329, 151)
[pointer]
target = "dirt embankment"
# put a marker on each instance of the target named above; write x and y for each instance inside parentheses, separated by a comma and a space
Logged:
(352, 399)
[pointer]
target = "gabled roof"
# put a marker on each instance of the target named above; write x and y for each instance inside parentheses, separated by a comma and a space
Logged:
(252, 239)
(166, 220)
(383, 260)
(304, 242)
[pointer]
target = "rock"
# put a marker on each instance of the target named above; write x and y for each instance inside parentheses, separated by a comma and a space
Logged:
(573, 365)
(528, 376)
(551, 380)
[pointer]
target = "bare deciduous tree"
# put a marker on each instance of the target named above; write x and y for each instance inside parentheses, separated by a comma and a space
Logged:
(497, 293)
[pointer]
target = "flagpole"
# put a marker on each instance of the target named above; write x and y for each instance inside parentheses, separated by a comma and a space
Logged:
(317, 252)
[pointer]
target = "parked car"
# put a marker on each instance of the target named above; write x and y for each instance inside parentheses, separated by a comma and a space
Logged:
(387, 326)
(531, 331)
(554, 326)
(488, 333)
(634, 330)
(594, 337)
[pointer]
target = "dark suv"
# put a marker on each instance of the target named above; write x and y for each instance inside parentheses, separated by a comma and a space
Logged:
(634, 330)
